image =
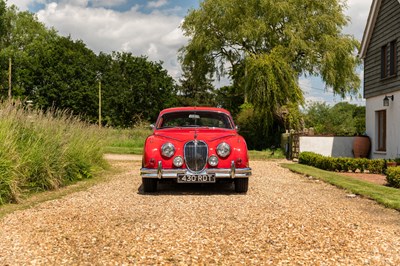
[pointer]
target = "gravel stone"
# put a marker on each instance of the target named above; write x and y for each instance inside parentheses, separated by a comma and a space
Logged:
(284, 219)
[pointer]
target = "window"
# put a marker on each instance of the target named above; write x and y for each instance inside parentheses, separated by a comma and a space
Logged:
(393, 58)
(195, 119)
(389, 60)
(381, 130)
(384, 61)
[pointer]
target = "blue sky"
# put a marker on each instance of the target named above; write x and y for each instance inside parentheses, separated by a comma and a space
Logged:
(151, 27)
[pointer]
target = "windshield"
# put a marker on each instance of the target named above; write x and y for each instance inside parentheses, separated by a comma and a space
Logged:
(195, 119)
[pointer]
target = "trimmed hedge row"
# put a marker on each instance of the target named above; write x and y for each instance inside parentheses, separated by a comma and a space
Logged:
(393, 176)
(375, 166)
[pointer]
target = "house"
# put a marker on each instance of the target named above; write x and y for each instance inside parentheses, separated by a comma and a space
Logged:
(380, 50)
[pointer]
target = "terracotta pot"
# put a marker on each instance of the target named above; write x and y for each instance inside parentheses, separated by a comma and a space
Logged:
(391, 164)
(361, 146)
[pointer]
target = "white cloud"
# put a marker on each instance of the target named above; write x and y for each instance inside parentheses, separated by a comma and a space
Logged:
(156, 35)
(358, 11)
(156, 4)
(21, 4)
(107, 3)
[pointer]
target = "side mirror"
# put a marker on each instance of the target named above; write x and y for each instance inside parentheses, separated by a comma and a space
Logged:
(237, 127)
(152, 126)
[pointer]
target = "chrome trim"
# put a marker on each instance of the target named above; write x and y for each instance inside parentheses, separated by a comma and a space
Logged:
(159, 170)
(205, 158)
(219, 172)
(233, 169)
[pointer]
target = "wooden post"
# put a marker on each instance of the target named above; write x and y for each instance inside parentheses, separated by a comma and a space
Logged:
(99, 103)
(9, 77)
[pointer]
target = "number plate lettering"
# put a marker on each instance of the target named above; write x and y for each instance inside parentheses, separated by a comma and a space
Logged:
(196, 178)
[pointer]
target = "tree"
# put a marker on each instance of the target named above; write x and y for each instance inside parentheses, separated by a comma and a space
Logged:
(265, 45)
(3, 29)
(134, 86)
(194, 89)
(343, 119)
(66, 78)
(23, 38)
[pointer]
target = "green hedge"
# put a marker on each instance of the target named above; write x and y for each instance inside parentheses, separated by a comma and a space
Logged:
(393, 176)
(375, 166)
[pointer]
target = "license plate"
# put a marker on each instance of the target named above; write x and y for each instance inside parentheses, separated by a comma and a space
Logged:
(196, 178)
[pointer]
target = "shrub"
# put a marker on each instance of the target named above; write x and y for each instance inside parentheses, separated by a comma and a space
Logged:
(376, 166)
(393, 176)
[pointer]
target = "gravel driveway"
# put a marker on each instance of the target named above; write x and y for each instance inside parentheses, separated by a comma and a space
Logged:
(284, 219)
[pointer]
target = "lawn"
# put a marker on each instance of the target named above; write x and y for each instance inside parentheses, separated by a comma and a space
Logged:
(387, 196)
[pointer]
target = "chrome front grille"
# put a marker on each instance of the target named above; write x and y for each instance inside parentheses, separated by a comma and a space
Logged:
(196, 153)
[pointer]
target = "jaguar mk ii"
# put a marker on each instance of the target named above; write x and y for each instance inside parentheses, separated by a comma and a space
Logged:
(195, 145)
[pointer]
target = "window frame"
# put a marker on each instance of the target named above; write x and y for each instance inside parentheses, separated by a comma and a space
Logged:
(393, 58)
(389, 60)
(381, 130)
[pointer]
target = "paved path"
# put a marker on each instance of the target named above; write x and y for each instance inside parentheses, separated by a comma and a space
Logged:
(284, 219)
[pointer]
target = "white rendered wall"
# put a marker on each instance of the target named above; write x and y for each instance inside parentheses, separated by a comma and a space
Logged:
(328, 146)
(392, 125)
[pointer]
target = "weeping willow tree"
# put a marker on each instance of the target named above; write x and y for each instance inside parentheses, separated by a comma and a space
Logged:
(263, 46)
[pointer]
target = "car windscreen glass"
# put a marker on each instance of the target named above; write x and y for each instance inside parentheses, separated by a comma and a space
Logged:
(195, 119)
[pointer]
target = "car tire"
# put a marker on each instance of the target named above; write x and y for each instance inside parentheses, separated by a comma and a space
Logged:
(241, 185)
(149, 184)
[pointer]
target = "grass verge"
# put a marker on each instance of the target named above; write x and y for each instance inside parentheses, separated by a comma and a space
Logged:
(266, 154)
(126, 141)
(387, 196)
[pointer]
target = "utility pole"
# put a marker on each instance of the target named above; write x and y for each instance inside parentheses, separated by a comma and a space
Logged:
(9, 77)
(99, 102)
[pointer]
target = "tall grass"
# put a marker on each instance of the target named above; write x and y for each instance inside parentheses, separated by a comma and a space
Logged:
(44, 150)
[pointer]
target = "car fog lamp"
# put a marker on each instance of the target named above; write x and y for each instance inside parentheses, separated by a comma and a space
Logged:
(213, 160)
(223, 149)
(178, 161)
(168, 150)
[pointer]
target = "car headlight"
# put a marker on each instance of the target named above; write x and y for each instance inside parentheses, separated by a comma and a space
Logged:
(223, 149)
(168, 150)
(213, 160)
(178, 161)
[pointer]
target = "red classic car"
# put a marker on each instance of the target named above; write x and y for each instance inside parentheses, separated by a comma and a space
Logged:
(195, 145)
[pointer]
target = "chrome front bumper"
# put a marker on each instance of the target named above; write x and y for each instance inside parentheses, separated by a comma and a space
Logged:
(161, 173)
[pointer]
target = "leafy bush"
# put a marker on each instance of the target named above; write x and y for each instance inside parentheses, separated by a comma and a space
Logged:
(44, 150)
(393, 176)
(376, 166)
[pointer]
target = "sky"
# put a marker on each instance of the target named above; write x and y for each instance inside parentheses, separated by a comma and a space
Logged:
(151, 28)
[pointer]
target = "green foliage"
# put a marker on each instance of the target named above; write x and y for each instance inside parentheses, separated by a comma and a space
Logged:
(393, 176)
(263, 46)
(342, 119)
(196, 87)
(230, 98)
(133, 86)
(376, 166)
(253, 129)
(44, 150)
